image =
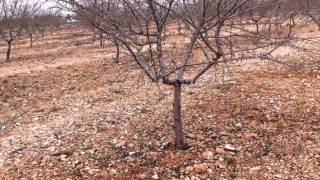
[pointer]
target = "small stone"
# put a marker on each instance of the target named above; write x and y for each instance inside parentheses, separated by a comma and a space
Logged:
(200, 168)
(132, 153)
(220, 150)
(238, 125)
(249, 136)
(200, 137)
(91, 151)
(93, 171)
(208, 155)
(194, 178)
(157, 144)
(122, 143)
(76, 162)
(143, 176)
(278, 176)
(155, 176)
(130, 159)
(221, 165)
(63, 157)
(113, 171)
(191, 135)
(152, 155)
(189, 169)
(224, 133)
(257, 168)
(229, 147)
(52, 148)
(156, 169)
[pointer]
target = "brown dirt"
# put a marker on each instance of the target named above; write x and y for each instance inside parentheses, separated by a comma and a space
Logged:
(67, 112)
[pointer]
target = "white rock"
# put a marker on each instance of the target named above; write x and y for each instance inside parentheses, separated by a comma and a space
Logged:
(113, 171)
(187, 40)
(255, 168)
(63, 157)
(52, 148)
(155, 176)
(131, 153)
(238, 125)
(229, 147)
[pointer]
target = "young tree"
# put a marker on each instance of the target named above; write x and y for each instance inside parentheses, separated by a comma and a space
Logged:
(13, 19)
(53, 19)
(30, 28)
(213, 35)
(42, 22)
(96, 27)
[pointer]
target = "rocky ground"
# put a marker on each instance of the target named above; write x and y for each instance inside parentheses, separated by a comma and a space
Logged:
(67, 112)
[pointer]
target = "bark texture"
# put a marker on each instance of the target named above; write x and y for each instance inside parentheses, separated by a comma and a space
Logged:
(8, 50)
(179, 139)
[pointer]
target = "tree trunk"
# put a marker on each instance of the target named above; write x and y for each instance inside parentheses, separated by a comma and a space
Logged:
(257, 28)
(93, 36)
(101, 38)
(179, 139)
(293, 21)
(31, 40)
(117, 54)
(42, 34)
(8, 50)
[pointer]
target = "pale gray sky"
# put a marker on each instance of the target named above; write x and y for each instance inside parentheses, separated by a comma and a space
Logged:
(52, 3)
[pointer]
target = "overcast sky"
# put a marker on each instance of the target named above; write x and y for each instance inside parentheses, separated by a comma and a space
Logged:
(52, 4)
(47, 5)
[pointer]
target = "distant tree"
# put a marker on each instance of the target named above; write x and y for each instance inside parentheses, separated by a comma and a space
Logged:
(13, 19)
(30, 28)
(212, 36)
(42, 22)
(54, 19)
(97, 27)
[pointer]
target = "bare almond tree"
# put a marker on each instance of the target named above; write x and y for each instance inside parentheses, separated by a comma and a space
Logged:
(53, 19)
(99, 27)
(42, 23)
(13, 19)
(311, 8)
(30, 27)
(175, 42)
